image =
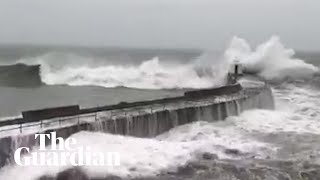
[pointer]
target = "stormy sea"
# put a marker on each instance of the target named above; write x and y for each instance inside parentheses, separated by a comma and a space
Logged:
(280, 144)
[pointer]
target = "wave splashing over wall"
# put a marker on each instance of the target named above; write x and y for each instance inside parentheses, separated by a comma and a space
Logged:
(270, 60)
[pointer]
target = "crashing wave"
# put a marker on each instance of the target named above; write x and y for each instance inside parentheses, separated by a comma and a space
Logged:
(270, 60)
(150, 74)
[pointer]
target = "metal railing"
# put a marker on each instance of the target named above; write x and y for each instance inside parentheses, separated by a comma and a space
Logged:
(78, 119)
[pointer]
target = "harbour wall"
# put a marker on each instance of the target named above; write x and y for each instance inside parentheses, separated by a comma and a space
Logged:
(145, 120)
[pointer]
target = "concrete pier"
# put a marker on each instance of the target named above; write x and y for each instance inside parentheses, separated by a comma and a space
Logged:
(144, 119)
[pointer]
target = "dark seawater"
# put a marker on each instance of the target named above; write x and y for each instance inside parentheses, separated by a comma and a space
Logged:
(14, 100)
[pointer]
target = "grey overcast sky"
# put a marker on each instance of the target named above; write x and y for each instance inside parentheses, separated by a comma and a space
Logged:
(159, 23)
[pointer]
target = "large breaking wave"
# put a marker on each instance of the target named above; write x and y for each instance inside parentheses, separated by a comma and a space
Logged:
(150, 74)
(270, 60)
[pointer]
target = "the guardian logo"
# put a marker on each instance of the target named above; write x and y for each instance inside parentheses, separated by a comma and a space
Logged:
(66, 152)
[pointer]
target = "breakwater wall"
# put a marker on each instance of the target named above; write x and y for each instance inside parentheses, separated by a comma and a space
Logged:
(144, 119)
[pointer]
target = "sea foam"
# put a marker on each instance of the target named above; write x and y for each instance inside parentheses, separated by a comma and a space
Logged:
(141, 157)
